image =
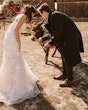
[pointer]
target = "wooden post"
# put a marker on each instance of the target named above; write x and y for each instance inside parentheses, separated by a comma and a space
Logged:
(55, 5)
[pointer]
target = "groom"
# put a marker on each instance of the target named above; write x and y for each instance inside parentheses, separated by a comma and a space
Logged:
(67, 39)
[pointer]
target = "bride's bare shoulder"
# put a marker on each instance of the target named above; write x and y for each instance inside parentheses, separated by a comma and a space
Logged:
(20, 17)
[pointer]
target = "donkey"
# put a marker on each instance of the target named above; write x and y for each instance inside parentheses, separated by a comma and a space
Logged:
(45, 38)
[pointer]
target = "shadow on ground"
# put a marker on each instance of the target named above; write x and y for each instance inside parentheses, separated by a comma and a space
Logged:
(41, 102)
(51, 63)
(80, 89)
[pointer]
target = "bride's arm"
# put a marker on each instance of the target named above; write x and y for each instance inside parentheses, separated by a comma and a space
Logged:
(21, 21)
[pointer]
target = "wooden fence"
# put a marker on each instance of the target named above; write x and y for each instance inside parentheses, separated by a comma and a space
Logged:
(74, 9)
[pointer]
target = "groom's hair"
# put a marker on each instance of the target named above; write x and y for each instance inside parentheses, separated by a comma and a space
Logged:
(44, 7)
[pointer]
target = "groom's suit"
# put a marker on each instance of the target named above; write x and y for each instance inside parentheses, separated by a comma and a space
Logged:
(67, 39)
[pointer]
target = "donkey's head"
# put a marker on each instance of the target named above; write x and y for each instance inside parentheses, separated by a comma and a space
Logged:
(37, 28)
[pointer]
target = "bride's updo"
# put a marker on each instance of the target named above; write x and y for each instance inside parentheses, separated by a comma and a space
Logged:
(29, 10)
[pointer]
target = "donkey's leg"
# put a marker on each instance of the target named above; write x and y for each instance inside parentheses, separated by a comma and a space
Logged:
(46, 55)
(54, 52)
(45, 50)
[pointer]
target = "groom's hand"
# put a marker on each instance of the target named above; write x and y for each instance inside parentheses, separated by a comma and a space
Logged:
(47, 45)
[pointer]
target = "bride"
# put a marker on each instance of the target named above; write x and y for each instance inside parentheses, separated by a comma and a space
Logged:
(17, 81)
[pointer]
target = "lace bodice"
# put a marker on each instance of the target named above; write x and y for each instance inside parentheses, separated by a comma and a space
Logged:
(15, 22)
(10, 43)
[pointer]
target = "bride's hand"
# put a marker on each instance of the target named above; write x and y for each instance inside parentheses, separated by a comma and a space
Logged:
(33, 33)
(19, 46)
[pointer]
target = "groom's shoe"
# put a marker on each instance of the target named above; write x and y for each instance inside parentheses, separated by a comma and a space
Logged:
(62, 77)
(67, 83)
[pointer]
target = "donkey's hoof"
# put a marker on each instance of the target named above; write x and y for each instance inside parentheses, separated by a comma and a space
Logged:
(46, 62)
(52, 55)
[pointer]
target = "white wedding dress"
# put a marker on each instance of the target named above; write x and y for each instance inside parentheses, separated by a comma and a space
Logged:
(17, 81)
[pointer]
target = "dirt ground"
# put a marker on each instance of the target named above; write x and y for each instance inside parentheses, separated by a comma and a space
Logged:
(52, 96)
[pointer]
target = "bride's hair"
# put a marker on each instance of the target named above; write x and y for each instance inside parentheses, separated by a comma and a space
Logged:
(29, 10)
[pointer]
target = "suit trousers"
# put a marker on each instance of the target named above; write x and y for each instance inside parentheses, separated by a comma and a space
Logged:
(67, 69)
